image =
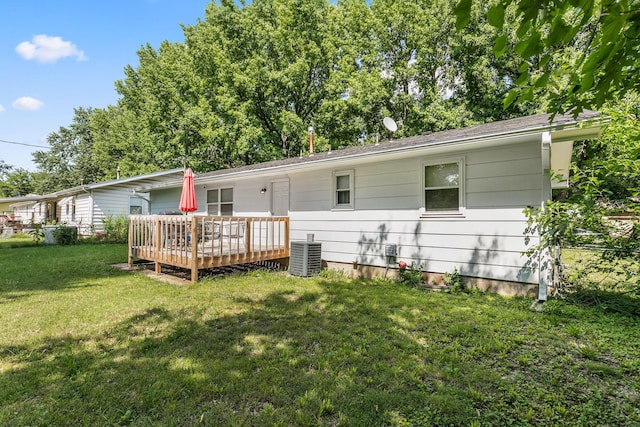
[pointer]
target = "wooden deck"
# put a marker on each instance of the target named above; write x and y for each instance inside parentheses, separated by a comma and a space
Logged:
(200, 242)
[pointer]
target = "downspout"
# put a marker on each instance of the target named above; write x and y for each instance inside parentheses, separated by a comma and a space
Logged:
(545, 267)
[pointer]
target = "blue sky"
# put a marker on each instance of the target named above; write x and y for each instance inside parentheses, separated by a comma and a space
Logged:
(59, 55)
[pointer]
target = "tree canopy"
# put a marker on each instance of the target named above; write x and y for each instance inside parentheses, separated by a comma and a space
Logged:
(577, 54)
(249, 79)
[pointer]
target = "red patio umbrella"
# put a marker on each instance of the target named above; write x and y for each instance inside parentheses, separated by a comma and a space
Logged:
(188, 202)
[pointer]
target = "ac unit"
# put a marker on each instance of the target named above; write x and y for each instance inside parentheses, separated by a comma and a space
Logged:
(305, 258)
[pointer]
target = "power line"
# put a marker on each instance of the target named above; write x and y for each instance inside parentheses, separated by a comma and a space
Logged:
(24, 143)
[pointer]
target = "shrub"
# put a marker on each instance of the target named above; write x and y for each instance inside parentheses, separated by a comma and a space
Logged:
(116, 229)
(36, 234)
(454, 281)
(65, 236)
(411, 275)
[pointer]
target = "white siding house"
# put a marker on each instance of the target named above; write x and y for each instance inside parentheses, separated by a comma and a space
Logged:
(29, 209)
(447, 200)
(87, 206)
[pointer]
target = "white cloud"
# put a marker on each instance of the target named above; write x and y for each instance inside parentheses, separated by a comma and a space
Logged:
(27, 103)
(44, 48)
(1, 108)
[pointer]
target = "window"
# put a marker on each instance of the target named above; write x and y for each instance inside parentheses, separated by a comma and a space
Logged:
(220, 202)
(343, 197)
(136, 206)
(443, 187)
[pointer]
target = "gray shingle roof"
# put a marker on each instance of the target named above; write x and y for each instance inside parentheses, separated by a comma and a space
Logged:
(522, 124)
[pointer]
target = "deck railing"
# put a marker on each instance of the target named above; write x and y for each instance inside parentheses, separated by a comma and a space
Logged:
(199, 242)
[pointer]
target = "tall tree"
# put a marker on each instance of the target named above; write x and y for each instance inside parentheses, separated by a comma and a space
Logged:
(577, 53)
(16, 182)
(69, 160)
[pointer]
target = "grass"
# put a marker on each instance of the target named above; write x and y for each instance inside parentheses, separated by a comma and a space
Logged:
(82, 343)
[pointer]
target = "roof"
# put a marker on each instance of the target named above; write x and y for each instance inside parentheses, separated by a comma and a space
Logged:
(519, 126)
(115, 182)
(140, 179)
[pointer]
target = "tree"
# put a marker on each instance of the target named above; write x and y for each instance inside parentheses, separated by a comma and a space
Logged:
(251, 78)
(4, 169)
(68, 162)
(579, 54)
(605, 183)
(16, 182)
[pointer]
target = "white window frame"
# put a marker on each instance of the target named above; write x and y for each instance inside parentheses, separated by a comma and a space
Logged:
(219, 203)
(459, 212)
(334, 189)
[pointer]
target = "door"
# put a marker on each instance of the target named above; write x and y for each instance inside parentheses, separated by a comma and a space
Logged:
(280, 198)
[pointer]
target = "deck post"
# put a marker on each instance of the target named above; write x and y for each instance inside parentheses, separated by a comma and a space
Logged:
(286, 236)
(158, 245)
(194, 249)
(247, 240)
(130, 260)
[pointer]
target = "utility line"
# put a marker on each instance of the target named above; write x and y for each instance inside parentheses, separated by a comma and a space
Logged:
(24, 143)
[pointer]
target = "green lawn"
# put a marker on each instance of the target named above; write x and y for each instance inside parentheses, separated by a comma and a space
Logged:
(82, 343)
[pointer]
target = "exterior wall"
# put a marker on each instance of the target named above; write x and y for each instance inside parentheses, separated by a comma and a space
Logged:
(81, 218)
(111, 202)
(84, 219)
(39, 213)
(486, 242)
(31, 212)
(247, 198)
(167, 200)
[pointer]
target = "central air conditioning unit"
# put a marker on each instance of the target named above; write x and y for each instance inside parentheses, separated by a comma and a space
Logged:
(305, 258)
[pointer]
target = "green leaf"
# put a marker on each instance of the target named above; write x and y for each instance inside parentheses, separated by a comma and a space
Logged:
(523, 67)
(500, 46)
(521, 47)
(495, 16)
(526, 95)
(511, 96)
(543, 80)
(463, 14)
(523, 78)
(523, 29)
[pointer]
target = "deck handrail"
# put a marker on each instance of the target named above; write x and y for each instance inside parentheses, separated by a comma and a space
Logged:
(198, 242)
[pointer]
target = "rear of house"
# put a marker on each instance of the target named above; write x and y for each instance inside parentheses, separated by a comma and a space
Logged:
(447, 201)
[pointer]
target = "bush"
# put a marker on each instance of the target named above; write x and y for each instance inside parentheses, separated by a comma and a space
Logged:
(65, 236)
(411, 275)
(116, 229)
(37, 234)
(454, 281)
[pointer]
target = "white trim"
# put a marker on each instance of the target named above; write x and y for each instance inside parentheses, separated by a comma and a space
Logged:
(334, 188)
(461, 162)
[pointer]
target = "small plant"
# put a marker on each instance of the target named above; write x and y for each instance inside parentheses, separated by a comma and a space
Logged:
(410, 275)
(65, 236)
(116, 229)
(454, 281)
(37, 235)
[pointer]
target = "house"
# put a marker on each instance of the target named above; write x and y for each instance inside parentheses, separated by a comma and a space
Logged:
(29, 209)
(442, 201)
(86, 206)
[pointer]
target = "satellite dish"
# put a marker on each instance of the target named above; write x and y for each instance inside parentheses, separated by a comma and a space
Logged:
(390, 124)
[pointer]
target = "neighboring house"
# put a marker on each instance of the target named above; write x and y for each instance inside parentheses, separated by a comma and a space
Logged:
(447, 200)
(86, 206)
(29, 209)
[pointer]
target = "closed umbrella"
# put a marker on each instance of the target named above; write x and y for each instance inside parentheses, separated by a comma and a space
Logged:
(188, 202)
